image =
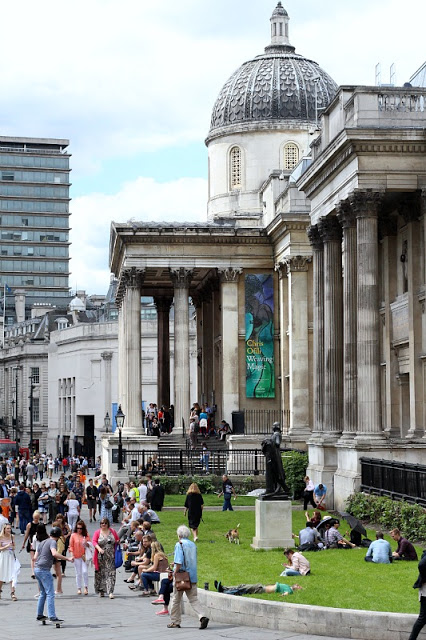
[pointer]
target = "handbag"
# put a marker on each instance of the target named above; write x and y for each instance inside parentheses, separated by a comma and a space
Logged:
(118, 556)
(108, 504)
(182, 579)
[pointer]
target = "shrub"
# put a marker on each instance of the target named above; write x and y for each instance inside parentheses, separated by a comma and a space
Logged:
(389, 514)
(295, 464)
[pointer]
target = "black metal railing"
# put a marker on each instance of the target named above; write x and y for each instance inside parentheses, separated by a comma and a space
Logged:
(245, 462)
(397, 480)
(260, 421)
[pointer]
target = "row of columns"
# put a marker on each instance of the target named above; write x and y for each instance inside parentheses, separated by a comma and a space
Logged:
(129, 345)
(346, 320)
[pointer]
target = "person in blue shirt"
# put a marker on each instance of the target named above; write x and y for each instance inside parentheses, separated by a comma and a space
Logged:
(185, 558)
(320, 492)
(379, 551)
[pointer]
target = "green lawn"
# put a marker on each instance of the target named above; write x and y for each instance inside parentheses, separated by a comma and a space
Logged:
(210, 500)
(340, 578)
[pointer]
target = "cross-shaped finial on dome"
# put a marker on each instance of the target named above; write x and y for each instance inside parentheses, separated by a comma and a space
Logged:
(279, 26)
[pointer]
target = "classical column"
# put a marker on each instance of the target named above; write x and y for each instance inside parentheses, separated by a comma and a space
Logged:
(107, 358)
(297, 274)
(163, 305)
(181, 279)
(333, 325)
(132, 408)
(411, 209)
(347, 219)
(230, 370)
(366, 205)
(281, 269)
(318, 321)
(122, 353)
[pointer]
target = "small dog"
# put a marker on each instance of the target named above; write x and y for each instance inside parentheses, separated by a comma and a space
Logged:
(233, 535)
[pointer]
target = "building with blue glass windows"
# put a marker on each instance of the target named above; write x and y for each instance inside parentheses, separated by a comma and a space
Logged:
(34, 221)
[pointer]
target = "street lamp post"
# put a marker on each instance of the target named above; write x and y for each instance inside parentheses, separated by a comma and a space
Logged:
(119, 418)
(31, 378)
(107, 422)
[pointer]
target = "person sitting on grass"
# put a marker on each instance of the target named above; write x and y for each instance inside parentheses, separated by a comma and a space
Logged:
(299, 565)
(243, 589)
(405, 549)
(333, 538)
(315, 519)
(379, 551)
(309, 538)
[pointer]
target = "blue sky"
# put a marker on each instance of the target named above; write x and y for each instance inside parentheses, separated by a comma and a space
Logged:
(132, 85)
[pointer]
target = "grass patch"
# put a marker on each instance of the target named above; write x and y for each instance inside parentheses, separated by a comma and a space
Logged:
(340, 578)
(210, 500)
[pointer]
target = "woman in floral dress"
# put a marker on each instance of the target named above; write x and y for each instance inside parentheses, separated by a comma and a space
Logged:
(105, 540)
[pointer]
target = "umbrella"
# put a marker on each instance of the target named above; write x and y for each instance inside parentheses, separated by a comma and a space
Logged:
(324, 521)
(354, 524)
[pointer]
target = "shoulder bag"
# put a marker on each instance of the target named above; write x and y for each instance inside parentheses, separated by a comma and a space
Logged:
(182, 579)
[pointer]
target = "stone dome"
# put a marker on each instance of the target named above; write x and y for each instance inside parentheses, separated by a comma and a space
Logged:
(279, 86)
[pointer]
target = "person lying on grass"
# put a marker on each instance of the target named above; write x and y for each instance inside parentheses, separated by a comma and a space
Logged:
(242, 589)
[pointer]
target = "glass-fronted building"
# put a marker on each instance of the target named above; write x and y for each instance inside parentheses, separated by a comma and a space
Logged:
(34, 220)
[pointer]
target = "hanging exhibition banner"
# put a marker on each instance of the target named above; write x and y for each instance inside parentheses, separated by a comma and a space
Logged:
(259, 302)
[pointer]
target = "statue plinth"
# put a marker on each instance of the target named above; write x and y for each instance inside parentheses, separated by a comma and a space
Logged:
(273, 524)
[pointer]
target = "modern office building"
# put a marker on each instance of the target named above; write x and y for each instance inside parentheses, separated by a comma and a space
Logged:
(34, 223)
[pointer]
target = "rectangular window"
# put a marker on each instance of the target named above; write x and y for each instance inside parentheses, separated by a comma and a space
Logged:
(36, 409)
(8, 175)
(35, 375)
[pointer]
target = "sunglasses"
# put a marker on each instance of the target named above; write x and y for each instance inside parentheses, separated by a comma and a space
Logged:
(79, 528)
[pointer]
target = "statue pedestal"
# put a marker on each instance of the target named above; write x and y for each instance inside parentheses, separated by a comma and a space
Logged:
(273, 524)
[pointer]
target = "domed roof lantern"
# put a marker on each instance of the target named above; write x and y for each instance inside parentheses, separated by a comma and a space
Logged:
(279, 29)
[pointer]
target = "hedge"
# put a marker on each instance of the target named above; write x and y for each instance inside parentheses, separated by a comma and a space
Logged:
(410, 519)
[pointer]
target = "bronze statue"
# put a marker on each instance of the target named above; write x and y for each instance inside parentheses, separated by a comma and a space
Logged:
(276, 487)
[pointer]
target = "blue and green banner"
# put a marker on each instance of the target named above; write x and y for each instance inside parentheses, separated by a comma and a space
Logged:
(259, 302)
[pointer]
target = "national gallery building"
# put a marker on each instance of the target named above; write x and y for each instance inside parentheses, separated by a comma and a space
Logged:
(308, 277)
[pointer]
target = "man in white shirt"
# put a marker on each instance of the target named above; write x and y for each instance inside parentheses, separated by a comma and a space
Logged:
(142, 491)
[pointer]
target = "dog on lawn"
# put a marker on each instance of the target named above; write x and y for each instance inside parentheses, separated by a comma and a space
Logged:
(233, 535)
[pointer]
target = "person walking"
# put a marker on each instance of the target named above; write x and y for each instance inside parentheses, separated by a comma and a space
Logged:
(23, 502)
(308, 494)
(194, 504)
(30, 532)
(227, 491)
(73, 510)
(44, 557)
(185, 558)
(105, 540)
(7, 559)
(79, 546)
(420, 584)
(92, 494)
(105, 503)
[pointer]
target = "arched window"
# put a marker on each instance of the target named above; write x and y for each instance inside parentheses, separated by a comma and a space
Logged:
(291, 155)
(235, 168)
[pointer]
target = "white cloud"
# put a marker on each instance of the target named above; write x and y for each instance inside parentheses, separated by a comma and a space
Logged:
(144, 199)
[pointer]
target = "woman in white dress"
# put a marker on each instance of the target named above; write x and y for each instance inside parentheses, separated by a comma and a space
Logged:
(7, 559)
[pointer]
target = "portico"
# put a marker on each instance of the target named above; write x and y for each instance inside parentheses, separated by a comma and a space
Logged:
(367, 234)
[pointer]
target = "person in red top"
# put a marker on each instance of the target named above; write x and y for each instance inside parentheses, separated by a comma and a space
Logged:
(80, 545)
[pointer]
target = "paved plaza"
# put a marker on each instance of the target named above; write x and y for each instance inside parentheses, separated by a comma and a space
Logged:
(127, 616)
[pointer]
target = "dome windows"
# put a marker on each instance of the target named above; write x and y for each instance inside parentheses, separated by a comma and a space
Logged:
(235, 168)
(291, 155)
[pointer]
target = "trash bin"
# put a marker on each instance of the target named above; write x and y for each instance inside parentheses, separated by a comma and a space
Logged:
(238, 423)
